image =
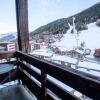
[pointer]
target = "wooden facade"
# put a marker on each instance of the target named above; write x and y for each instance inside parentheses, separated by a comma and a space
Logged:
(73, 53)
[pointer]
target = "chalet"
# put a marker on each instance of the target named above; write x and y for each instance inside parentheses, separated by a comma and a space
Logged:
(56, 50)
(75, 53)
(37, 45)
(97, 53)
(31, 46)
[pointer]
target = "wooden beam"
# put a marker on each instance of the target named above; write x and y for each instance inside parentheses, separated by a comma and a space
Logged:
(30, 71)
(22, 25)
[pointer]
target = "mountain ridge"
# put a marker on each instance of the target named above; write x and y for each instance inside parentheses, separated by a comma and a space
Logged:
(8, 37)
(83, 18)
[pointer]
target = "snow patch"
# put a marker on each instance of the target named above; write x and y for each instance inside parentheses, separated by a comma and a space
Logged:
(91, 37)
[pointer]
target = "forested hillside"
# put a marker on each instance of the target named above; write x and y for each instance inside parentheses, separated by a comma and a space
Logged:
(61, 25)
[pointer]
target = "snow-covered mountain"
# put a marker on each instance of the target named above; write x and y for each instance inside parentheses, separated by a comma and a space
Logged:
(91, 37)
(7, 37)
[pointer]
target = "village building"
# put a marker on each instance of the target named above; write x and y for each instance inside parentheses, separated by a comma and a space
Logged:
(75, 53)
(2, 48)
(97, 53)
(8, 46)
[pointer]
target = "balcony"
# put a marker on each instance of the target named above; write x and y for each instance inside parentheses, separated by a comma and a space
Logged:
(31, 84)
(27, 77)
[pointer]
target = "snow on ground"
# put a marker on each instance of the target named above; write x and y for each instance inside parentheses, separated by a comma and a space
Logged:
(95, 73)
(46, 54)
(91, 37)
(89, 65)
(64, 58)
(68, 42)
(42, 52)
(54, 57)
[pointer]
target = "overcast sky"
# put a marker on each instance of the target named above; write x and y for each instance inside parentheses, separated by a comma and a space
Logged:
(41, 12)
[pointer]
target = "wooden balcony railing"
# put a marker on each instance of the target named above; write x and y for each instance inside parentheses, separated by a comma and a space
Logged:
(7, 59)
(87, 84)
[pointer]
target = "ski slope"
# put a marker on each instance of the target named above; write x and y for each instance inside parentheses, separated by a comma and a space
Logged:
(91, 37)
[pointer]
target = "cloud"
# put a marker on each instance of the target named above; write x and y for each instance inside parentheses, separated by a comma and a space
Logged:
(48, 3)
(58, 1)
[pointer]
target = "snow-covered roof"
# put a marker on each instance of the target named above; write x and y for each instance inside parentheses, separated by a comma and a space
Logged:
(62, 48)
(79, 51)
(45, 54)
(89, 72)
(64, 58)
(90, 65)
(42, 52)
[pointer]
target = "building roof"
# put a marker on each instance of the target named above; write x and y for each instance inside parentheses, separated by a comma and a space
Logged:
(64, 59)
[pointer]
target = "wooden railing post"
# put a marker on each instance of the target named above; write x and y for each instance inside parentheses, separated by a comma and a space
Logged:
(43, 85)
(22, 25)
(18, 73)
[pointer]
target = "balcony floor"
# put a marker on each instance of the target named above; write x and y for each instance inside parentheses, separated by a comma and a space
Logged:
(15, 92)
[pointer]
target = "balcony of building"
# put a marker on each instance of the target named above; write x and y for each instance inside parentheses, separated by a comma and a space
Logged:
(26, 77)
